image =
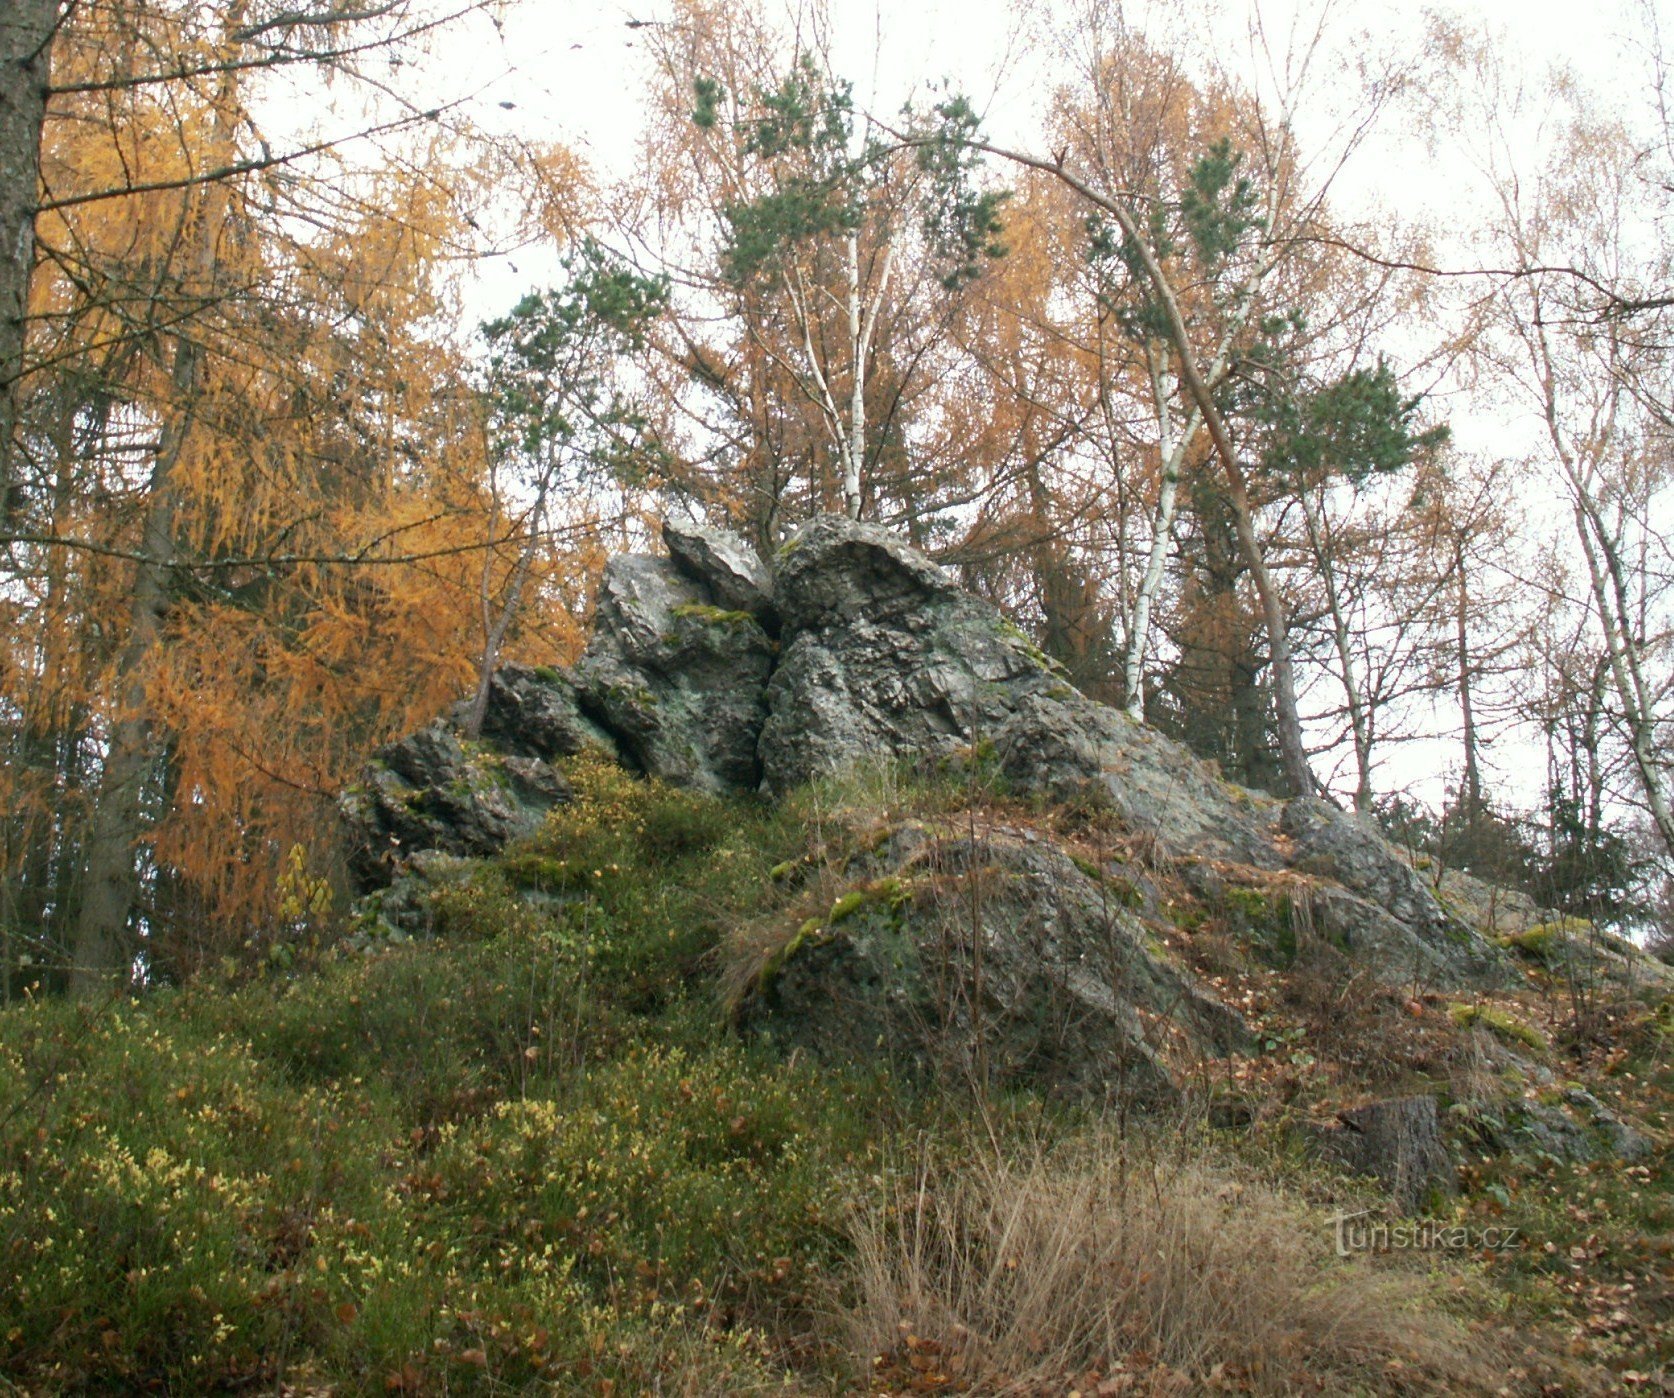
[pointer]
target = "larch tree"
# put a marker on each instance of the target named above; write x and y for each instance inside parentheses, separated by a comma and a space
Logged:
(247, 548)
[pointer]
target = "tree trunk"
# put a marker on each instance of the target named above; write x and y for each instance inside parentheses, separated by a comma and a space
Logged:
(1173, 452)
(856, 436)
(1625, 661)
(26, 32)
(494, 633)
(1473, 767)
(1292, 751)
(1360, 727)
(103, 950)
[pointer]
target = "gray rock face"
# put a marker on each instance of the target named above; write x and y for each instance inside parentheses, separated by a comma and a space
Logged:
(1384, 911)
(1064, 746)
(987, 953)
(1397, 1142)
(432, 791)
(1574, 1126)
(438, 791)
(835, 571)
(731, 570)
(884, 657)
(992, 955)
(679, 681)
(537, 713)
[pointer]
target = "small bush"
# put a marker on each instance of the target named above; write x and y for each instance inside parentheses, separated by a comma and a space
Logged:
(680, 823)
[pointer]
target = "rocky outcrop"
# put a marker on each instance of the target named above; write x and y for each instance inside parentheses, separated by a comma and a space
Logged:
(1061, 745)
(983, 950)
(713, 671)
(1376, 908)
(990, 955)
(439, 791)
(883, 656)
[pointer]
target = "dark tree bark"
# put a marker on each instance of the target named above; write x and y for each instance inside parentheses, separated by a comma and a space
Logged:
(27, 28)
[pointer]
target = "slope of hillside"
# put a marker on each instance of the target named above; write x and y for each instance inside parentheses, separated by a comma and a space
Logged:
(1003, 1048)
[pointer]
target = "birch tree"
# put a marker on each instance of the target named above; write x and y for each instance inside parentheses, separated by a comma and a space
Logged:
(1581, 376)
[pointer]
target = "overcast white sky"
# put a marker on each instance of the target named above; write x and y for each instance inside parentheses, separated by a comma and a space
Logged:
(572, 67)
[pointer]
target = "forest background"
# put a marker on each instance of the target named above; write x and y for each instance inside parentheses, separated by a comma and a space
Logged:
(1300, 380)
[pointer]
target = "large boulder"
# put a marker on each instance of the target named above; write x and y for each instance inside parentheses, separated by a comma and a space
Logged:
(884, 658)
(990, 954)
(677, 679)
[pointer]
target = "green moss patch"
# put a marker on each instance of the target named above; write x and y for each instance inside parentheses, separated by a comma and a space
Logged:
(1497, 1022)
(712, 616)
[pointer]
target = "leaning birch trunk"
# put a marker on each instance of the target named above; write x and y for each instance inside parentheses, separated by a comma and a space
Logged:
(1173, 454)
(1626, 672)
(1292, 750)
(1609, 592)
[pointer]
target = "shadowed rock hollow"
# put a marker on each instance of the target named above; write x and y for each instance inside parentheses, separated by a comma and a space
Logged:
(712, 670)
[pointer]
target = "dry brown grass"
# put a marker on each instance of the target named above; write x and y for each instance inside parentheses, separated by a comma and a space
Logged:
(1020, 1273)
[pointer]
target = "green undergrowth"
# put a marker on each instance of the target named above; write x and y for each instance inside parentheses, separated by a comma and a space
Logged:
(532, 1155)
(529, 1151)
